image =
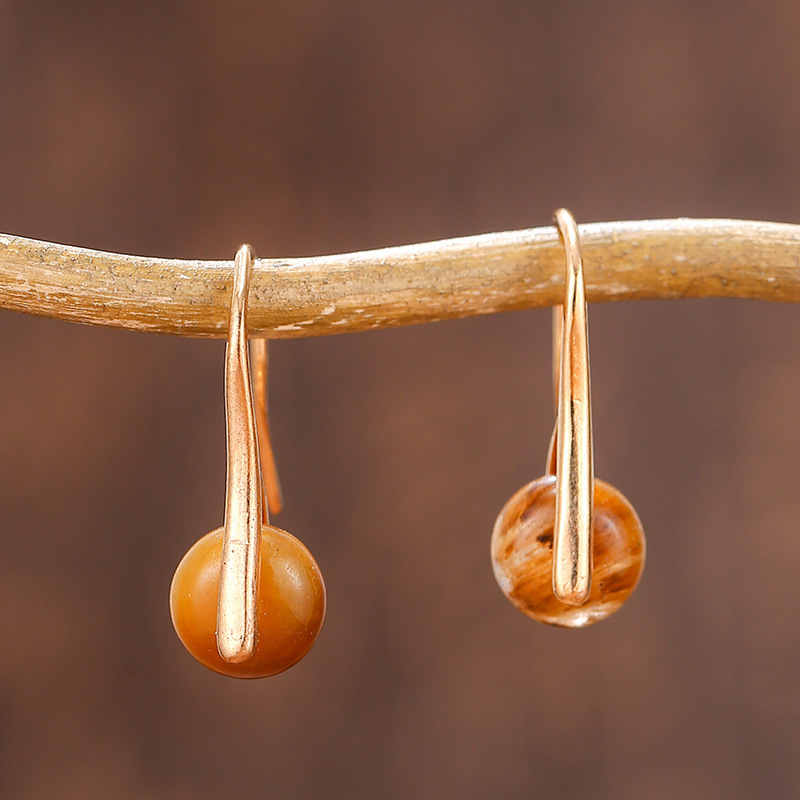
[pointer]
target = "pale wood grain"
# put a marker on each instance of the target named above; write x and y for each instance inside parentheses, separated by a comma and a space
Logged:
(403, 285)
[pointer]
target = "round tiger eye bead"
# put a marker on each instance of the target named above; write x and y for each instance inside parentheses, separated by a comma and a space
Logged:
(522, 554)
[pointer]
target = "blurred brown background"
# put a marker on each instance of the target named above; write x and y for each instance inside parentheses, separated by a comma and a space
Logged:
(184, 128)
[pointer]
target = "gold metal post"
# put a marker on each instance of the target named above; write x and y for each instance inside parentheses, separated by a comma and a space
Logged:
(239, 572)
(572, 546)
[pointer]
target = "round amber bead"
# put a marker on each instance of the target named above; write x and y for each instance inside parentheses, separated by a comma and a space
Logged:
(291, 604)
(522, 554)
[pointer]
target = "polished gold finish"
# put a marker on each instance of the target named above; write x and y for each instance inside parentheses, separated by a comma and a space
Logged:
(572, 546)
(402, 285)
(558, 325)
(273, 496)
(241, 558)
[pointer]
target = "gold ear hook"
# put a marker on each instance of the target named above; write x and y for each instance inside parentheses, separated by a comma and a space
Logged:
(273, 496)
(239, 571)
(566, 549)
(235, 612)
(572, 545)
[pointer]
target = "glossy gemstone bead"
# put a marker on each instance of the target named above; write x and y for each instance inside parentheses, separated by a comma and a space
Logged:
(522, 554)
(291, 604)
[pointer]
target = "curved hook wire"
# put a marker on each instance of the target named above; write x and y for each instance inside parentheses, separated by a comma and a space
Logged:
(572, 439)
(241, 545)
(273, 496)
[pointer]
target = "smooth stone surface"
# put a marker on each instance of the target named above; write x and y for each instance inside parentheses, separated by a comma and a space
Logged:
(522, 554)
(291, 604)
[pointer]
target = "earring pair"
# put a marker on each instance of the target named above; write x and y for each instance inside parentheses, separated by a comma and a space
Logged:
(567, 549)
(248, 599)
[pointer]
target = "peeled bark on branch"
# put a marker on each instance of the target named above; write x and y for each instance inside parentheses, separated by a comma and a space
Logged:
(395, 286)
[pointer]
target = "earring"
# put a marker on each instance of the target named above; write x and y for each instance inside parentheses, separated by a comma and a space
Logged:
(567, 549)
(248, 599)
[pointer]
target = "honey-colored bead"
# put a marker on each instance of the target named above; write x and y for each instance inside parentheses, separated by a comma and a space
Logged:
(291, 604)
(522, 554)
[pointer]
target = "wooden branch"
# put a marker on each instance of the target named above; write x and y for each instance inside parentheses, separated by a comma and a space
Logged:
(403, 285)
